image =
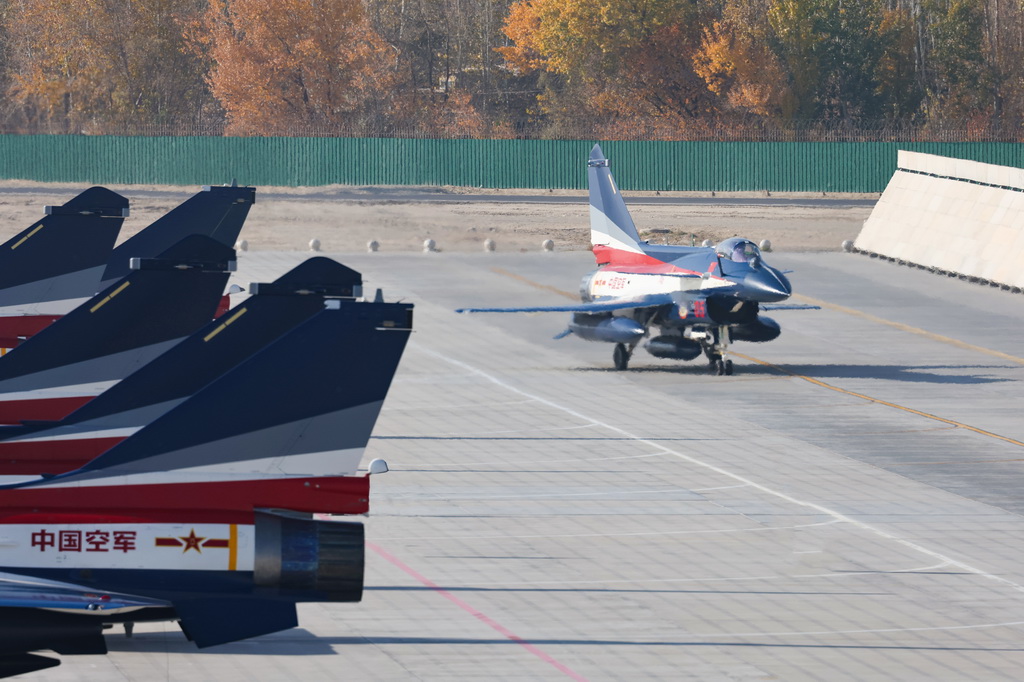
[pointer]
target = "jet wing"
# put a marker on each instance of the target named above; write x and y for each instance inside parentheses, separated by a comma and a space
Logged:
(610, 305)
(45, 615)
(794, 306)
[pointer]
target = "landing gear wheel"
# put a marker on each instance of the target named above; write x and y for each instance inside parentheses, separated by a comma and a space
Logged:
(621, 357)
(719, 367)
(728, 368)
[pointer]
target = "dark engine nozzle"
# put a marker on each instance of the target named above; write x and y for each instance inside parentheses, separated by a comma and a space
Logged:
(307, 559)
(673, 348)
(759, 330)
(606, 328)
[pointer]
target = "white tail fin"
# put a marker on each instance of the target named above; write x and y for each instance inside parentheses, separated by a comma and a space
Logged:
(611, 227)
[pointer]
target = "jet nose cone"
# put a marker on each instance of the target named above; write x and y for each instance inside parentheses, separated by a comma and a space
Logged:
(767, 285)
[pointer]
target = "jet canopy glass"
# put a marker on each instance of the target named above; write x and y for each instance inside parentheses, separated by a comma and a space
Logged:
(738, 250)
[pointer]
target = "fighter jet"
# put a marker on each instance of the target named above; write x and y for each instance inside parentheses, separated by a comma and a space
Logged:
(684, 300)
(67, 256)
(205, 516)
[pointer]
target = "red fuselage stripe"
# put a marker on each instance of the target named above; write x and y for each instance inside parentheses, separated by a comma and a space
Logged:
(209, 502)
(43, 409)
(16, 328)
(51, 456)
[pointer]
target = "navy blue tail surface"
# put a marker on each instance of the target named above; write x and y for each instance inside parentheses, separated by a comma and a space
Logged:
(272, 310)
(342, 358)
(216, 212)
(165, 299)
(74, 237)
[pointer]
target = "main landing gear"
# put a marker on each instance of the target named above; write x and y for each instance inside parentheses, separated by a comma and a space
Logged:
(621, 356)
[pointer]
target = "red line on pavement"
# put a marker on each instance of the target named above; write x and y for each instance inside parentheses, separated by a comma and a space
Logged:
(477, 614)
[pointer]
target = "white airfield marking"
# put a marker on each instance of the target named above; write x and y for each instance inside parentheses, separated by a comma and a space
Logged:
(1017, 587)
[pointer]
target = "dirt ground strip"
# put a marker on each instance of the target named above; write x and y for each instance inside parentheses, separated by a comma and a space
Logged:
(289, 218)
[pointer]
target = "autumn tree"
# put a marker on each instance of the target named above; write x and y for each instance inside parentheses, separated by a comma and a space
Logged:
(736, 61)
(614, 58)
(286, 65)
(446, 56)
(99, 65)
(958, 79)
(836, 53)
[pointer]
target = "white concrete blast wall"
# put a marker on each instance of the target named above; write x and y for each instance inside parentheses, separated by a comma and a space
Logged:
(964, 216)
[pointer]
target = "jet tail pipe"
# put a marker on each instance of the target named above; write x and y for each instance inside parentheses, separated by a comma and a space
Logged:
(308, 559)
(606, 328)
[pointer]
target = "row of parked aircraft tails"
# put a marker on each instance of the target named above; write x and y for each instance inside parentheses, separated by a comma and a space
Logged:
(163, 458)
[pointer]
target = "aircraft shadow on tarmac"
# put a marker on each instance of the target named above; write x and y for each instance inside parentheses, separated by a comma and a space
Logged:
(307, 644)
(907, 373)
(294, 642)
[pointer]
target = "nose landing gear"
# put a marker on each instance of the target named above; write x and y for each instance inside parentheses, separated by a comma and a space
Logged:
(716, 350)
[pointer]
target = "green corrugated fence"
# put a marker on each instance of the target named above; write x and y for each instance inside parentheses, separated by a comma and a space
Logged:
(561, 164)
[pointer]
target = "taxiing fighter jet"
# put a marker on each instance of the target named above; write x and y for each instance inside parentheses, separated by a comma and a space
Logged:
(685, 300)
(206, 515)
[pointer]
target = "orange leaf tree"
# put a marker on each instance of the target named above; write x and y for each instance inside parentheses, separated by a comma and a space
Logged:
(624, 58)
(282, 66)
(96, 65)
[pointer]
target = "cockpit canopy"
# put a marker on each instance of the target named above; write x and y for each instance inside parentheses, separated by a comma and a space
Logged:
(738, 250)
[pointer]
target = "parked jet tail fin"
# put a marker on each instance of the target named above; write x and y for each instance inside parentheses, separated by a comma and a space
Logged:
(57, 261)
(215, 212)
(273, 310)
(612, 232)
(127, 324)
(76, 237)
(303, 406)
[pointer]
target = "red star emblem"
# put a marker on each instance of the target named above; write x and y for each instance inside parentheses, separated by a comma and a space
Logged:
(192, 542)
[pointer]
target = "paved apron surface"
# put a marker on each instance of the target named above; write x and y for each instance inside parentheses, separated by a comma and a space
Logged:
(845, 507)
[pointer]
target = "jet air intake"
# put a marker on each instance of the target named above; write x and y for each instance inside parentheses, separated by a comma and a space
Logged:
(307, 559)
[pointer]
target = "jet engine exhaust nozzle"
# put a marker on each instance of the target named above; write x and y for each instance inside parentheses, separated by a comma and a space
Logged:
(308, 559)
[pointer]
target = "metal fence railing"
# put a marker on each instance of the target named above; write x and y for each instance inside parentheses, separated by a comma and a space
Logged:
(579, 129)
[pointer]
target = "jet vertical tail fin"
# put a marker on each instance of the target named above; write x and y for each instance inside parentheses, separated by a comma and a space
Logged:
(57, 261)
(285, 429)
(124, 326)
(612, 232)
(215, 212)
(271, 311)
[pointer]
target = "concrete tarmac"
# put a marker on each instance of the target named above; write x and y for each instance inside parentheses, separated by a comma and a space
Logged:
(845, 507)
